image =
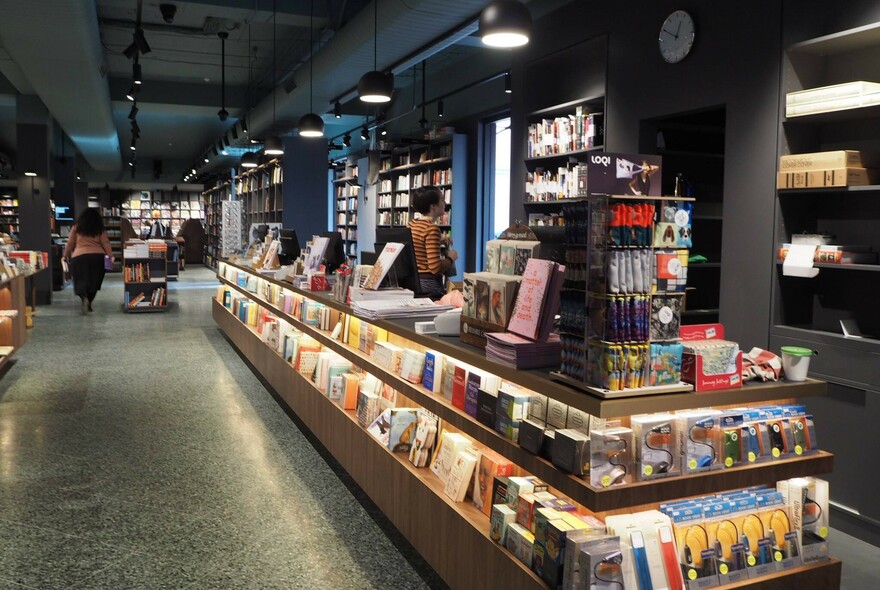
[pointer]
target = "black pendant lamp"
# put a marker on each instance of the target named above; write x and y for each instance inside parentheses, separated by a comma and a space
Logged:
(223, 114)
(505, 23)
(423, 122)
(249, 160)
(311, 124)
(376, 86)
(273, 145)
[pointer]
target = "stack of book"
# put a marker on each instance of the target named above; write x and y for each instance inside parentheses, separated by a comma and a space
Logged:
(520, 353)
(398, 308)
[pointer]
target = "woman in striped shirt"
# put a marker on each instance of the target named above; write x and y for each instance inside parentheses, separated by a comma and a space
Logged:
(426, 237)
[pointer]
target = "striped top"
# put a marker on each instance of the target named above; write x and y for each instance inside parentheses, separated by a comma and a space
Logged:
(426, 245)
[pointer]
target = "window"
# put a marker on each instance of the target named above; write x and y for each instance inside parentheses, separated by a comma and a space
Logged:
(495, 183)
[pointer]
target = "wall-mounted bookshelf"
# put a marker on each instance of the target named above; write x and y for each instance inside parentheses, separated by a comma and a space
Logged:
(346, 192)
(172, 210)
(214, 199)
(260, 189)
(113, 225)
(558, 139)
(9, 214)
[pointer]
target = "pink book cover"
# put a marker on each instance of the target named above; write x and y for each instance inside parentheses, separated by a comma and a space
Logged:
(459, 387)
(530, 299)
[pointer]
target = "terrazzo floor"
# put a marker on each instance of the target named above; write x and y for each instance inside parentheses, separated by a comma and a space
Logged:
(140, 451)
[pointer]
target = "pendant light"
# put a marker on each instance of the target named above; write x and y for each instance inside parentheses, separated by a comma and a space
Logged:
(311, 124)
(249, 160)
(423, 122)
(505, 23)
(375, 86)
(223, 114)
(273, 145)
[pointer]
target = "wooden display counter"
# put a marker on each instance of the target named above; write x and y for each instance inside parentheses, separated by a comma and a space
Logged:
(453, 537)
(13, 330)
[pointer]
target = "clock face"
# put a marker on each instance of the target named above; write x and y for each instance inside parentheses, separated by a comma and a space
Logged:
(676, 36)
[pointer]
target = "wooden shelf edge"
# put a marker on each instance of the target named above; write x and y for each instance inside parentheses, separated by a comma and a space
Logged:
(822, 575)
(473, 522)
(540, 381)
(719, 480)
(580, 490)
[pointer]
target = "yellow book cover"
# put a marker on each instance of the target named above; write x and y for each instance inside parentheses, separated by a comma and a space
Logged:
(354, 327)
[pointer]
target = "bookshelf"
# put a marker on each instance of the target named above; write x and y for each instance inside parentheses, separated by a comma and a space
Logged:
(113, 225)
(808, 311)
(9, 214)
(13, 329)
(145, 276)
(558, 139)
(260, 189)
(388, 477)
(145, 208)
(346, 192)
(440, 162)
(213, 199)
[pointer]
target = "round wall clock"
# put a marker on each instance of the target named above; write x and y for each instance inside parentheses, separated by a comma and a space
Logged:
(676, 36)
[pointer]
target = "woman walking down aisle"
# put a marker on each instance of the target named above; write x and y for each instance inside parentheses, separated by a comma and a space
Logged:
(86, 247)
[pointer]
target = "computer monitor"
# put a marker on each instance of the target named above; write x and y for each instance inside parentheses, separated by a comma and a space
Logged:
(404, 267)
(334, 255)
(63, 213)
(290, 249)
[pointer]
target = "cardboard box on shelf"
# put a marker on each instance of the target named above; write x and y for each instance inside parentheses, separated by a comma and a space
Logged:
(829, 177)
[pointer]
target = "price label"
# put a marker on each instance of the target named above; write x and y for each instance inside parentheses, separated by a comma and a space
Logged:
(665, 314)
(682, 218)
(674, 266)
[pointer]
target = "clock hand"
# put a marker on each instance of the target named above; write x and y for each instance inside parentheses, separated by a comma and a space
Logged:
(678, 29)
(669, 33)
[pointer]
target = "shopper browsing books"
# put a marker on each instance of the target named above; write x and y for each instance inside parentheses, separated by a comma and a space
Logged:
(428, 202)
(86, 247)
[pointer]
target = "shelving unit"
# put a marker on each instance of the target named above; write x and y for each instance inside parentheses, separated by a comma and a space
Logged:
(13, 329)
(214, 200)
(9, 214)
(551, 166)
(473, 558)
(346, 191)
(170, 209)
(440, 162)
(807, 311)
(146, 280)
(113, 225)
(260, 189)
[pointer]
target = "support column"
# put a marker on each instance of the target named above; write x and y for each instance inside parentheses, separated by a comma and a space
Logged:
(64, 175)
(305, 186)
(34, 211)
(81, 198)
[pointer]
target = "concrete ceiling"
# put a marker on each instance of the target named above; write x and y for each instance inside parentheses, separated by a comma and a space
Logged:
(181, 92)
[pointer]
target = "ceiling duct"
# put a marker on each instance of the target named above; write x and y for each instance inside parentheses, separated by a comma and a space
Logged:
(403, 29)
(58, 47)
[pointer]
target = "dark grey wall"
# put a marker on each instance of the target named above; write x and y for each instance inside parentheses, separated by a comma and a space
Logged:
(735, 62)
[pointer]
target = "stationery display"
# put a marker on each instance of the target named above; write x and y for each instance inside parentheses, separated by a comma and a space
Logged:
(521, 353)
(621, 303)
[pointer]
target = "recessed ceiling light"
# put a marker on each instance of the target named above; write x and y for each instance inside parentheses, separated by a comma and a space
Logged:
(207, 79)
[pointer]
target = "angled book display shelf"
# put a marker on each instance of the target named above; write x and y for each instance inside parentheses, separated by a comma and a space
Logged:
(454, 536)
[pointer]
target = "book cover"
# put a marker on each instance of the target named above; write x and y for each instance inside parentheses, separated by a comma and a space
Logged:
(507, 257)
(307, 360)
(459, 386)
(348, 400)
(413, 366)
(468, 292)
(526, 317)
(403, 429)
(433, 374)
(493, 255)
(472, 393)
(426, 436)
(481, 300)
(381, 427)
(491, 466)
(383, 264)
(525, 251)
(367, 407)
(448, 378)
(460, 474)
(487, 403)
(354, 327)
(448, 447)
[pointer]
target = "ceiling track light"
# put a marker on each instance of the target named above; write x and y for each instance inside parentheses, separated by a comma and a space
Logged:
(508, 89)
(133, 112)
(440, 108)
(346, 141)
(311, 124)
(337, 110)
(132, 92)
(136, 74)
(375, 86)
(365, 133)
(505, 23)
(207, 159)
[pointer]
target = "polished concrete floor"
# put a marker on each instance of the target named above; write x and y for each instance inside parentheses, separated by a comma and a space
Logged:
(140, 451)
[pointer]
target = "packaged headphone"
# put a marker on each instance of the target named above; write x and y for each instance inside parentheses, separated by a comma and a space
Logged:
(656, 445)
(610, 456)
